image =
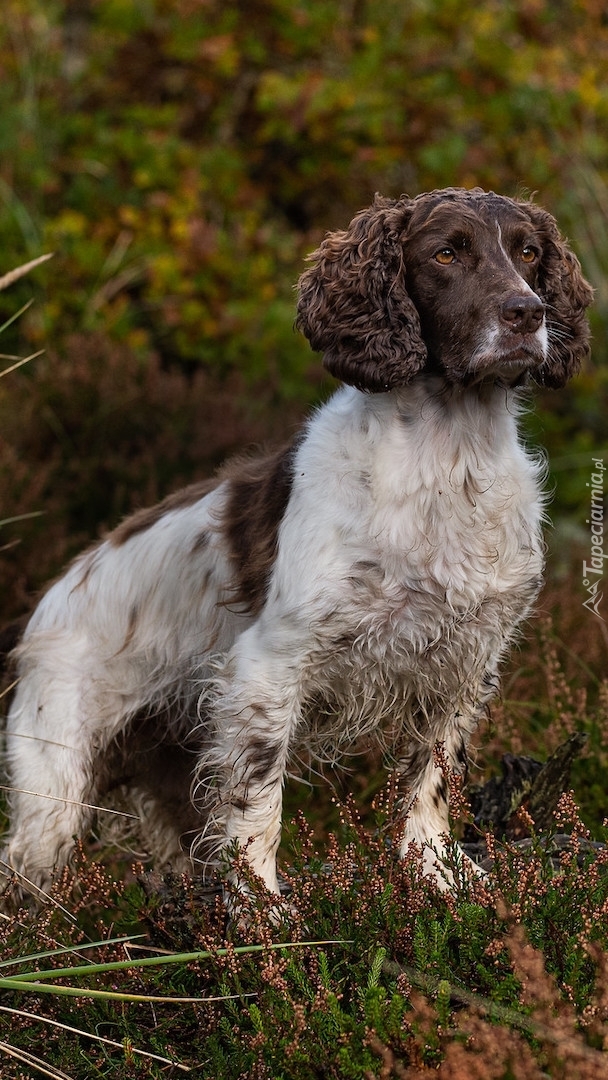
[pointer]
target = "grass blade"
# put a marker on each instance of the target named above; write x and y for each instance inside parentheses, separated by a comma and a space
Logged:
(155, 961)
(21, 271)
(33, 957)
(108, 995)
(34, 1062)
(46, 1020)
(20, 363)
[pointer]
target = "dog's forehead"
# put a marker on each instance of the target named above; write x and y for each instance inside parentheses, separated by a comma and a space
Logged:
(456, 208)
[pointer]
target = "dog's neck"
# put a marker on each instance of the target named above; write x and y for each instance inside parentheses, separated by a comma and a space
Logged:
(438, 407)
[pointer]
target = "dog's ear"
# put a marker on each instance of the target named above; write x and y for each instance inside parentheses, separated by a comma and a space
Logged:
(567, 295)
(353, 305)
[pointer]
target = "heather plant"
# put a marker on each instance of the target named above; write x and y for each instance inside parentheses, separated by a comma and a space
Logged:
(367, 970)
(363, 969)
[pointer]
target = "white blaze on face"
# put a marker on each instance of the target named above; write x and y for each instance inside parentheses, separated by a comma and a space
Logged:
(540, 334)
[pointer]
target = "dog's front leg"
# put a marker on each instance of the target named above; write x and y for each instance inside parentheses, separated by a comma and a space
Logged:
(427, 770)
(254, 710)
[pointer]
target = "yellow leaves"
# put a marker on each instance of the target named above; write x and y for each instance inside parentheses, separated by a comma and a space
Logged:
(279, 91)
(130, 216)
(592, 88)
(70, 223)
(179, 230)
(483, 21)
(164, 273)
(370, 35)
(308, 101)
(142, 178)
(137, 339)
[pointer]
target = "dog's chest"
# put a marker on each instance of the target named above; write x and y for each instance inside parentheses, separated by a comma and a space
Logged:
(426, 602)
(429, 515)
(455, 546)
(430, 606)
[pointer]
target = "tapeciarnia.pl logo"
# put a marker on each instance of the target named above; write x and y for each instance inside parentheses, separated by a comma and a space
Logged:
(593, 570)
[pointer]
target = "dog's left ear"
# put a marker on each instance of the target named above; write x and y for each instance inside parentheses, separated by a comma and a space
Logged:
(566, 295)
(353, 305)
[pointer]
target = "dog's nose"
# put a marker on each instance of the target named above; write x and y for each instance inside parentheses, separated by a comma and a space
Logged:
(523, 314)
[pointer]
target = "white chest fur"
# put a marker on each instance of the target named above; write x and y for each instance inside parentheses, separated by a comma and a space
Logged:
(426, 491)
(415, 520)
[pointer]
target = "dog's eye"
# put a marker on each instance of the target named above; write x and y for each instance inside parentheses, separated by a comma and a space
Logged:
(529, 254)
(445, 256)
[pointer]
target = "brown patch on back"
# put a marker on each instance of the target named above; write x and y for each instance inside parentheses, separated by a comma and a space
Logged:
(258, 493)
(145, 519)
(257, 496)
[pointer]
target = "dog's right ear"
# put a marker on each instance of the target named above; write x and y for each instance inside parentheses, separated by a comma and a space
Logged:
(353, 305)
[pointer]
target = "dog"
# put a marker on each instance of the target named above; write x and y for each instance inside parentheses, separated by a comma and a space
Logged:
(367, 578)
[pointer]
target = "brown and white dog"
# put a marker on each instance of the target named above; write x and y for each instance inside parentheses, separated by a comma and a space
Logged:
(369, 576)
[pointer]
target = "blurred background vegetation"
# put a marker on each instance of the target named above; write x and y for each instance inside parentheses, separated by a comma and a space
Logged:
(181, 157)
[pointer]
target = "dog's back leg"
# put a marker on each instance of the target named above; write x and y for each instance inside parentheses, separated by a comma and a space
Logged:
(54, 738)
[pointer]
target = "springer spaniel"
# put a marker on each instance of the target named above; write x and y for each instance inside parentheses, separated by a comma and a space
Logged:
(369, 577)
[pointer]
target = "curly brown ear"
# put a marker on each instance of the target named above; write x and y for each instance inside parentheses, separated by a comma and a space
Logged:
(567, 295)
(353, 305)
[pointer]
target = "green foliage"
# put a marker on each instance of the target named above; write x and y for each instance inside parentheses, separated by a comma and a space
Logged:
(178, 155)
(180, 158)
(401, 974)
(225, 107)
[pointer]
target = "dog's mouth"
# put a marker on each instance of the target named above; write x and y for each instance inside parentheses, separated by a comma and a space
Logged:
(509, 359)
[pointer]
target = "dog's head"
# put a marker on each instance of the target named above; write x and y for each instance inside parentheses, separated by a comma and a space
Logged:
(469, 284)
